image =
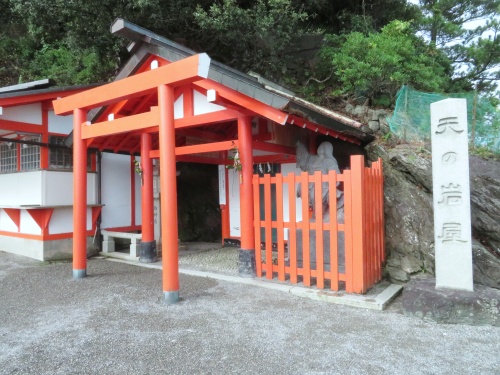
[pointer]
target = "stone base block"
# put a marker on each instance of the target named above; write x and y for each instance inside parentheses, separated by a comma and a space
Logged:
(480, 307)
(148, 252)
(246, 263)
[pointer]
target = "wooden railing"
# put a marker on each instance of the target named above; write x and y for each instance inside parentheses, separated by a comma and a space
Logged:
(323, 251)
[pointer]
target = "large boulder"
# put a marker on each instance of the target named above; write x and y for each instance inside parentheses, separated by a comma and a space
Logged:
(409, 214)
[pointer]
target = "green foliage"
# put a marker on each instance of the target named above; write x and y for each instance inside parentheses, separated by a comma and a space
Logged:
(380, 63)
(366, 55)
(473, 53)
(65, 66)
(256, 37)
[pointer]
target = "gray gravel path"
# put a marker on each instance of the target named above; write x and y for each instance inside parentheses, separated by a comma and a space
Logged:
(113, 323)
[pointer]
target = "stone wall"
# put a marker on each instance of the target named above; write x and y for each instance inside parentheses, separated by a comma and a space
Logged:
(375, 119)
(409, 213)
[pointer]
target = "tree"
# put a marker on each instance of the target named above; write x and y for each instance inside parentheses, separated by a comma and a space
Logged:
(468, 32)
(256, 37)
(377, 64)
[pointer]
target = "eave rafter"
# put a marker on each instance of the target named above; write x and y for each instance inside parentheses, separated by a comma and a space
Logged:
(306, 124)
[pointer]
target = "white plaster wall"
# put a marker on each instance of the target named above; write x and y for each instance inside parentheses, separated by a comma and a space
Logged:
(201, 105)
(58, 188)
(234, 203)
(285, 170)
(60, 124)
(138, 197)
(6, 223)
(179, 107)
(42, 188)
(30, 113)
(28, 224)
(61, 220)
(23, 188)
(115, 193)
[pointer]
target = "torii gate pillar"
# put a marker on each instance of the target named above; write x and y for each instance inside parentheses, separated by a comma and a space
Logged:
(79, 196)
(168, 187)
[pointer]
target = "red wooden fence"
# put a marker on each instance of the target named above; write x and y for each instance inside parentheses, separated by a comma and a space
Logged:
(358, 263)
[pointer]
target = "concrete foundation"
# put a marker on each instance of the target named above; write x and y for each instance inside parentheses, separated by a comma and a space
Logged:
(43, 250)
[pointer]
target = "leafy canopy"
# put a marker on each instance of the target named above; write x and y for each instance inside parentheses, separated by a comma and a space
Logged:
(256, 37)
(379, 63)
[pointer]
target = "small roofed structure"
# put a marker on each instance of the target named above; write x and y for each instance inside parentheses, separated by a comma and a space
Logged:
(171, 104)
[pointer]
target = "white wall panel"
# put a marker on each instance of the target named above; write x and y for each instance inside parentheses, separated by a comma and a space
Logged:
(23, 188)
(60, 124)
(28, 224)
(58, 188)
(138, 197)
(115, 190)
(285, 170)
(234, 203)
(6, 223)
(42, 188)
(30, 113)
(201, 105)
(179, 107)
(61, 220)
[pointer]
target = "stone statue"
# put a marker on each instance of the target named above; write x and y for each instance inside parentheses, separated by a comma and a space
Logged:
(323, 162)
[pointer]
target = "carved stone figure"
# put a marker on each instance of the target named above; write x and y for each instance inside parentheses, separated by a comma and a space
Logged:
(322, 162)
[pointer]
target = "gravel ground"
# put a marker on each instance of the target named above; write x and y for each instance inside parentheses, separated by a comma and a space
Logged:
(113, 323)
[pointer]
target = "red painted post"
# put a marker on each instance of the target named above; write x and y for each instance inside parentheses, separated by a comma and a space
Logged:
(268, 225)
(247, 250)
(168, 186)
(292, 239)
(358, 228)
(79, 196)
(44, 151)
(257, 224)
(148, 243)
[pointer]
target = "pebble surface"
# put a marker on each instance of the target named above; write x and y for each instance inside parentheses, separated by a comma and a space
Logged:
(113, 322)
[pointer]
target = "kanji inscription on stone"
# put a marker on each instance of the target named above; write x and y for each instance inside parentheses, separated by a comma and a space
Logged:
(451, 194)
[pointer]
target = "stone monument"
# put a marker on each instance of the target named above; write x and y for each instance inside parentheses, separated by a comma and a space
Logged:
(451, 194)
(451, 298)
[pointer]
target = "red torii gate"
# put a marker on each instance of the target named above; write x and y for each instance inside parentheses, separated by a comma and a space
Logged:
(160, 119)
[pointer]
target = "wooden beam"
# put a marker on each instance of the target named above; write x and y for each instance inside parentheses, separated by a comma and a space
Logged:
(206, 147)
(207, 118)
(271, 147)
(123, 142)
(199, 120)
(17, 126)
(274, 158)
(36, 98)
(202, 134)
(198, 149)
(200, 159)
(122, 125)
(178, 73)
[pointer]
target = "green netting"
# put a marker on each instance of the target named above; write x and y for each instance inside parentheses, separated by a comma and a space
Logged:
(411, 119)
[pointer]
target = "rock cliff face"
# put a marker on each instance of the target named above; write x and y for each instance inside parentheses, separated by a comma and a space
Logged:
(409, 214)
